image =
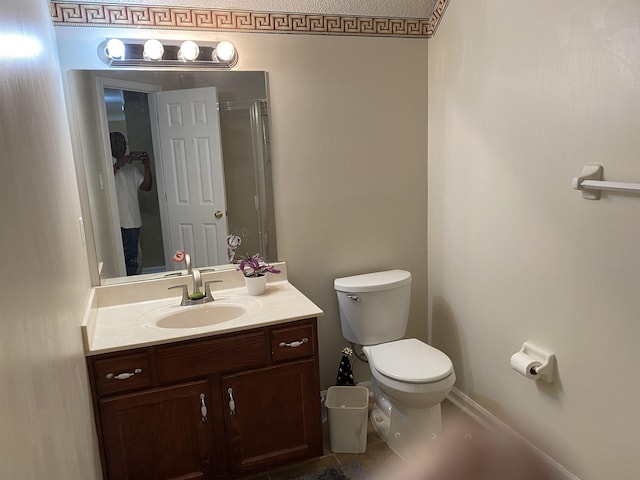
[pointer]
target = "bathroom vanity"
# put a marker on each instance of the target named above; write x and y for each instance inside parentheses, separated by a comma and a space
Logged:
(220, 401)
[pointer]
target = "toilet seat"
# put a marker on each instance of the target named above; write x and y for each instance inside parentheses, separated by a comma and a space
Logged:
(410, 360)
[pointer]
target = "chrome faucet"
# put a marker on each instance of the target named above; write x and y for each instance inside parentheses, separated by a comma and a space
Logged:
(197, 297)
(187, 261)
(197, 280)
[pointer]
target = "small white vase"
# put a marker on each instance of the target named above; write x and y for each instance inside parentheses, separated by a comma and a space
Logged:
(256, 285)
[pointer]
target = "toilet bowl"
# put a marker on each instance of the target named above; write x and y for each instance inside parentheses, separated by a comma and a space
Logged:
(409, 378)
(411, 372)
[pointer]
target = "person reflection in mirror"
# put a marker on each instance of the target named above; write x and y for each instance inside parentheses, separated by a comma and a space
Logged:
(129, 181)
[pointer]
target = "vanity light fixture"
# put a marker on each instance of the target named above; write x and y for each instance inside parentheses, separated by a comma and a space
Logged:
(114, 49)
(189, 51)
(153, 50)
(224, 52)
(167, 53)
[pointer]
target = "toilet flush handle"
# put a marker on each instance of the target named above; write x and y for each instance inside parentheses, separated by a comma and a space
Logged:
(355, 298)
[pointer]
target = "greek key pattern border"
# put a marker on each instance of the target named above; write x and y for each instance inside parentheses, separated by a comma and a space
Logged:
(187, 18)
(436, 16)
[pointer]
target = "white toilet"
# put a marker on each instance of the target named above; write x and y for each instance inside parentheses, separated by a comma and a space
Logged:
(410, 378)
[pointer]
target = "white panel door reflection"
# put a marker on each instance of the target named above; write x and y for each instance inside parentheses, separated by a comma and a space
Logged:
(191, 151)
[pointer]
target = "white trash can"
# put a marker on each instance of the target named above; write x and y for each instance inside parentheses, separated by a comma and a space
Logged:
(347, 408)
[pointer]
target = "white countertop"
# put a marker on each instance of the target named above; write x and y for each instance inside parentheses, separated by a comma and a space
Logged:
(121, 327)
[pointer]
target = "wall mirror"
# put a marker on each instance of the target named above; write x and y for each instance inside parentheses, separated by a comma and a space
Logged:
(207, 135)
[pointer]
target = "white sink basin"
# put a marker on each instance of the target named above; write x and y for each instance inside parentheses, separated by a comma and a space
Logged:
(204, 316)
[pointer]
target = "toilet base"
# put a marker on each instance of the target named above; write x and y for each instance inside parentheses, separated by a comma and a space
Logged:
(401, 427)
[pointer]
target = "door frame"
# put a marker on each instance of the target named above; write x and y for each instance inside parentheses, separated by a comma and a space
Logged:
(162, 193)
(109, 184)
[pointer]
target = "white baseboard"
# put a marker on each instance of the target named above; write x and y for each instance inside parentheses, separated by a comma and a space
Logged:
(490, 421)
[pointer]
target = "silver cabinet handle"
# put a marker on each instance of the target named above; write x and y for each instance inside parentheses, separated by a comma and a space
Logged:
(123, 375)
(203, 407)
(295, 344)
(232, 402)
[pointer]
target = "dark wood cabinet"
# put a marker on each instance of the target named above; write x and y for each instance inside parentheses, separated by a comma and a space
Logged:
(270, 416)
(260, 389)
(158, 434)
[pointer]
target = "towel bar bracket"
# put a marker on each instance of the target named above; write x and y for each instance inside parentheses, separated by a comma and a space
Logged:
(591, 171)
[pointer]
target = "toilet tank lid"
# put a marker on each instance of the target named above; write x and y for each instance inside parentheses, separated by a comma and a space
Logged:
(373, 282)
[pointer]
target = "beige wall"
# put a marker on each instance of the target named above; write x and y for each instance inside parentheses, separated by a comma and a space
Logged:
(349, 123)
(45, 413)
(350, 162)
(521, 96)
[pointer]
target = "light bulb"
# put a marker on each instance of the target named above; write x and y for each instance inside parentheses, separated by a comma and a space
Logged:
(153, 50)
(225, 51)
(115, 49)
(189, 51)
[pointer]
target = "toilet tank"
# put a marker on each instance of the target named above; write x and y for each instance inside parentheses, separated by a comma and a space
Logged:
(374, 307)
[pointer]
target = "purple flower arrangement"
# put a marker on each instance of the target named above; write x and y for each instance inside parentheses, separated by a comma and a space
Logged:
(255, 266)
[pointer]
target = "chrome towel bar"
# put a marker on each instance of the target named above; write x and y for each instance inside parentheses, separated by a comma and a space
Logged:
(590, 183)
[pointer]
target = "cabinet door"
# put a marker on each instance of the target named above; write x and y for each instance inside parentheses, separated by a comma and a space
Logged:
(274, 416)
(158, 434)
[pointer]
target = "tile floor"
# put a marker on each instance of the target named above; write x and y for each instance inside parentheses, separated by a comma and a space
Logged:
(373, 460)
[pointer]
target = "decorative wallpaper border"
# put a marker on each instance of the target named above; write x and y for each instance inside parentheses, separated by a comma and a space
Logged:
(186, 18)
(436, 16)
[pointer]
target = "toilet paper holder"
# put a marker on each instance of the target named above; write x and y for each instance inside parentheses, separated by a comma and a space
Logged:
(547, 360)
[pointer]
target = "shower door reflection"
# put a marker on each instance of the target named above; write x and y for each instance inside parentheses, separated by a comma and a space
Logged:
(247, 167)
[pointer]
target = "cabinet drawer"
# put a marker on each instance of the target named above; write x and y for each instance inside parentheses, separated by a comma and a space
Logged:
(293, 342)
(122, 373)
(214, 355)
